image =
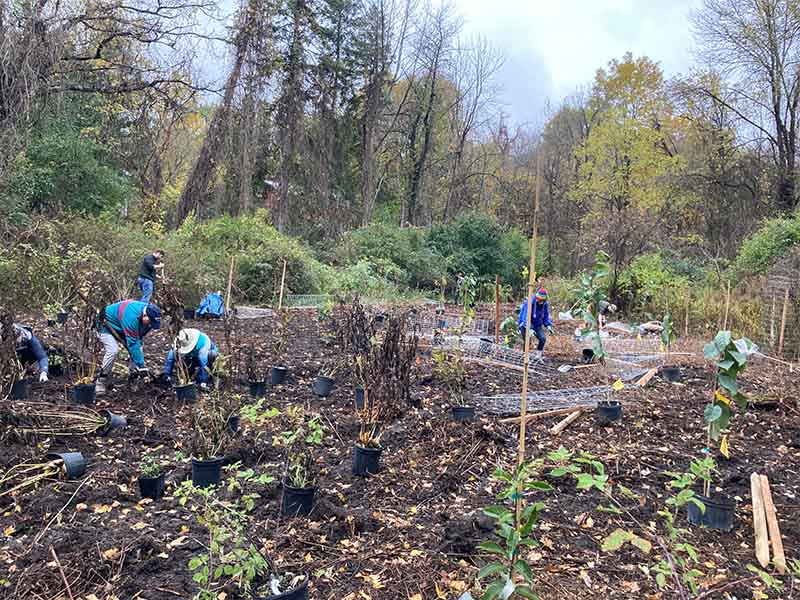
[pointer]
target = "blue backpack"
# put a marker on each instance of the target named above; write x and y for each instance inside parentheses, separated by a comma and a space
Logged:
(212, 305)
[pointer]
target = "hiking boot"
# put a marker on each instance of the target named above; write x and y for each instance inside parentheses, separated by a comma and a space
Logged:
(538, 356)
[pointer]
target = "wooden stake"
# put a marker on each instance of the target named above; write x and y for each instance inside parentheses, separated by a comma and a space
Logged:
(497, 309)
(686, 322)
(283, 280)
(727, 306)
(783, 322)
(772, 321)
(230, 284)
(645, 379)
(523, 408)
(566, 422)
(540, 415)
(776, 543)
(759, 521)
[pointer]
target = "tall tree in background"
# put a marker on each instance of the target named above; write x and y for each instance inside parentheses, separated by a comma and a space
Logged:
(755, 45)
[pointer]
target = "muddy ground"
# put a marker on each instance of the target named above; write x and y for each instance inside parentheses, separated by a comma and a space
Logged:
(409, 532)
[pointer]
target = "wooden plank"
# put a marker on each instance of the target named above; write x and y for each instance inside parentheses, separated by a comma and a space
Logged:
(566, 422)
(283, 281)
(776, 543)
(645, 379)
(759, 521)
(548, 413)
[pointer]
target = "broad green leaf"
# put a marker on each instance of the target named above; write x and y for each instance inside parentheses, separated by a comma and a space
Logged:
(661, 580)
(494, 590)
(712, 413)
(642, 544)
(526, 592)
(616, 539)
(523, 569)
(491, 569)
(492, 547)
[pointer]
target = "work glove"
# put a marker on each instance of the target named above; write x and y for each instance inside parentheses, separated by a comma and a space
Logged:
(43, 377)
(550, 330)
(142, 372)
(204, 387)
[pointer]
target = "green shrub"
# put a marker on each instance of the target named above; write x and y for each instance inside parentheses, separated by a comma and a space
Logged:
(650, 286)
(765, 246)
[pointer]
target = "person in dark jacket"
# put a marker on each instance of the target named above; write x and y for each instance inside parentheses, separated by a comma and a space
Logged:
(30, 350)
(147, 273)
(126, 322)
(540, 320)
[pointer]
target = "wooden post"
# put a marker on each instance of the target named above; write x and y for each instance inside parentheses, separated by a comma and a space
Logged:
(686, 322)
(230, 284)
(727, 306)
(772, 321)
(566, 421)
(283, 280)
(776, 542)
(759, 521)
(783, 322)
(523, 408)
(497, 309)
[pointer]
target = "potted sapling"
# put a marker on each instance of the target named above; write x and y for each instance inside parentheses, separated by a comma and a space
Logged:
(280, 339)
(211, 435)
(450, 368)
(367, 453)
(325, 380)
(256, 380)
(151, 478)
(300, 477)
(729, 358)
(668, 337)
(83, 389)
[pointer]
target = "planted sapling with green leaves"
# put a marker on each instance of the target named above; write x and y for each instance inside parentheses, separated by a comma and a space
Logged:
(512, 575)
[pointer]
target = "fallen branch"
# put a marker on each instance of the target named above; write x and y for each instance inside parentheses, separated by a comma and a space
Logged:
(759, 521)
(778, 556)
(61, 570)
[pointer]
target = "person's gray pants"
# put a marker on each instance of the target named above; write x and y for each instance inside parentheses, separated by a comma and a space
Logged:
(111, 350)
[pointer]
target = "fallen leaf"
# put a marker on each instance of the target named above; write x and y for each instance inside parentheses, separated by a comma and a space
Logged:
(111, 554)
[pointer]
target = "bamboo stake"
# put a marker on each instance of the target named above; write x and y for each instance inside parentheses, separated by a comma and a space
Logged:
(727, 306)
(566, 421)
(283, 280)
(230, 283)
(645, 379)
(759, 521)
(686, 322)
(772, 321)
(497, 309)
(783, 322)
(527, 354)
(778, 557)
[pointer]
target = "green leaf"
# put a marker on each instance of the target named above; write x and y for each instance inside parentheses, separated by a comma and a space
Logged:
(729, 384)
(494, 590)
(523, 569)
(542, 486)
(491, 569)
(712, 413)
(609, 509)
(661, 580)
(526, 592)
(642, 544)
(616, 539)
(492, 547)
(497, 512)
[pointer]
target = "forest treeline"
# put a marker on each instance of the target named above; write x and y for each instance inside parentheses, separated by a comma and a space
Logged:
(374, 131)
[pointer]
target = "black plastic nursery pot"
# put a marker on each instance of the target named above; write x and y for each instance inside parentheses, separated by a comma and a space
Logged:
(206, 473)
(278, 375)
(719, 514)
(366, 461)
(463, 414)
(62, 317)
(588, 355)
(233, 424)
(297, 501)
(298, 593)
(152, 487)
(19, 390)
(84, 394)
(359, 398)
(379, 319)
(671, 374)
(113, 422)
(609, 411)
(74, 463)
(188, 314)
(323, 386)
(186, 393)
(258, 389)
(51, 322)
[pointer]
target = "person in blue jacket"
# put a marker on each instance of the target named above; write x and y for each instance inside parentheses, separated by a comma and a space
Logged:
(127, 323)
(197, 352)
(30, 350)
(540, 320)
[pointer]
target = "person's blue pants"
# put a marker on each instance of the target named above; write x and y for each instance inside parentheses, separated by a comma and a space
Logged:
(540, 336)
(146, 287)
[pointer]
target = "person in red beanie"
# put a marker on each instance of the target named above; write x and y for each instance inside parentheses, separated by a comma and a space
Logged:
(540, 320)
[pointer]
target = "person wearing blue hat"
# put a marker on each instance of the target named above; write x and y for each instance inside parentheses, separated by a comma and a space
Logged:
(540, 320)
(127, 323)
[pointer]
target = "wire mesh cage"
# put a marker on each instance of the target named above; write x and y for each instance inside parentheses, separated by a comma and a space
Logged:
(543, 400)
(306, 300)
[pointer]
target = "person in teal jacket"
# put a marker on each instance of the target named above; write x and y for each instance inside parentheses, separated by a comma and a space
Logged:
(197, 352)
(127, 323)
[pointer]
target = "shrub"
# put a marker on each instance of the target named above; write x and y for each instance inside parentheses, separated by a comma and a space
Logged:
(770, 242)
(650, 286)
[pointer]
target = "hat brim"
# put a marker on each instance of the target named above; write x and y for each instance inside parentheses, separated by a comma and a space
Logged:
(186, 346)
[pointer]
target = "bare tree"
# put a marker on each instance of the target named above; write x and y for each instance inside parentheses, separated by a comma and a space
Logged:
(755, 44)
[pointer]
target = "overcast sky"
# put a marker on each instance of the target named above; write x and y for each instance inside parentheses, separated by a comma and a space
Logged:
(554, 47)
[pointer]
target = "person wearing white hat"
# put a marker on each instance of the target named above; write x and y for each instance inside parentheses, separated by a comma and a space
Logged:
(196, 350)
